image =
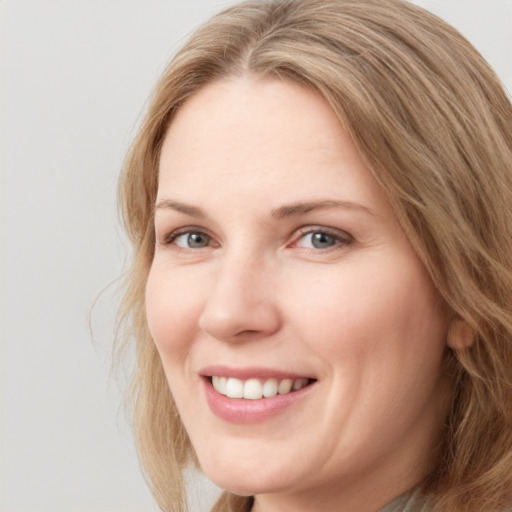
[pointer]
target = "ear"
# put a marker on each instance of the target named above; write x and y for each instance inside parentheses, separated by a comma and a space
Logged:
(460, 334)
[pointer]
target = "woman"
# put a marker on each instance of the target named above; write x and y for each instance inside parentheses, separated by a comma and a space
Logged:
(319, 202)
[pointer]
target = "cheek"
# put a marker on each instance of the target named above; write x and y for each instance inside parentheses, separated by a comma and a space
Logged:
(172, 310)
(377, 315)
(380, 336)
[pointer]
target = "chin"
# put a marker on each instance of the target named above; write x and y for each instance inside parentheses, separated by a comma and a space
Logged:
(246, 485)
(246, 477)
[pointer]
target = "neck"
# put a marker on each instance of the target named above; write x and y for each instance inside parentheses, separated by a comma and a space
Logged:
(376, 492)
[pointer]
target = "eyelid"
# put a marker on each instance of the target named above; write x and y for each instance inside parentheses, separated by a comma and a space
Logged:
(341, 236)
(170, 237)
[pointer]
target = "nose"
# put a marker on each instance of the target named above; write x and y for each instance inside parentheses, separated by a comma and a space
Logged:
(241, 304)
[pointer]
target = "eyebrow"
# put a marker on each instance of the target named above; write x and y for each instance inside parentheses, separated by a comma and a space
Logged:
(291, 210)
(180, 207)
(301, 208)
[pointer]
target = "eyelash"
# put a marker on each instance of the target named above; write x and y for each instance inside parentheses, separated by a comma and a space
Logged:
(341, 238)
(171, 237)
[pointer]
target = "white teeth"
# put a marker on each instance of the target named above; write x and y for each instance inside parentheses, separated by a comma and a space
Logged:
(299, 384)
(270, 388)
(223, 384)
(255, 389)
(219, 383)
(234, 388)
(285, 386)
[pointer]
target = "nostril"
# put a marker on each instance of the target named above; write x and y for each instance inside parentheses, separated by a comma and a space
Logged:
(235, 312)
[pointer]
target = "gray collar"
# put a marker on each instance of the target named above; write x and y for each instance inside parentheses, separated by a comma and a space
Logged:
(408, 502)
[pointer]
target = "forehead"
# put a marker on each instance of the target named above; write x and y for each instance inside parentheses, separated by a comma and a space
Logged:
(248, 112)
(261, 135)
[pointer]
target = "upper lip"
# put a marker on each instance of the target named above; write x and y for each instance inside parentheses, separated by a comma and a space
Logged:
(251, 373)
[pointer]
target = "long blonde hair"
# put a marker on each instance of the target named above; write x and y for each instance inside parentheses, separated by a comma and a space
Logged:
(434, 126)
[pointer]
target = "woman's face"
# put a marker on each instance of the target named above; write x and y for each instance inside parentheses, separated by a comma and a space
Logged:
(278, 258)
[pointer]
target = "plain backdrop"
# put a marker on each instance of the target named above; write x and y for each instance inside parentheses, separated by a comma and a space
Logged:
(75, 75)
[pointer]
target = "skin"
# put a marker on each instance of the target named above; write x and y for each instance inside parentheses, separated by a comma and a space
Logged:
(359, 314)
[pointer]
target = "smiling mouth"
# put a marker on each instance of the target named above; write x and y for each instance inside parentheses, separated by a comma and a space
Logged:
(255, 388)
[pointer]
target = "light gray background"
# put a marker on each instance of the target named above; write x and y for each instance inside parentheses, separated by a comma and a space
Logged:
(75, 75)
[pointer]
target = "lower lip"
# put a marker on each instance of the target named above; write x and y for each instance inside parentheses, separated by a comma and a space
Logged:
(244, 411)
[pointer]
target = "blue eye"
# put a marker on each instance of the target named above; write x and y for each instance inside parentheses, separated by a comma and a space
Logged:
(191, 240)
(321, 240)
